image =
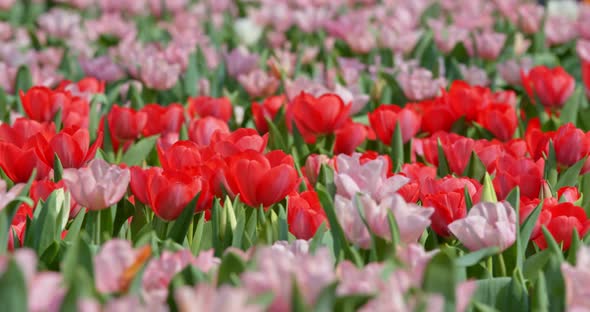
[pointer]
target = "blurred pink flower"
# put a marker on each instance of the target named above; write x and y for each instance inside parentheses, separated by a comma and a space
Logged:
(26, 260)
(114, 263)
(258, 83)
(400, 42)
(529, 17)
(369, 178)
(157, 73)
(97, 186)
(112, 24)
(415, 259)
(347, 211)
(583, 22)
(173, 6)
(159, 272)
(577, 279)
(419, 84)
(6, 4)
(79, 4)
(487, 45)
(463, 294)
(205, 297)
(282, 62)
(46, 292)
(354, 280)
(559, 30)
(447, 37)
(239, 62)
(7, 196)
(60, 23)
(123, 6)
(510, 70)
(102, 68)
(474, 75)
(275, 264)
(486, 225)
(583, 50)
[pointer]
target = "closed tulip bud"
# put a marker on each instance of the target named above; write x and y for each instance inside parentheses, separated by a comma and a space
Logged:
(98, 186)
(552, 86)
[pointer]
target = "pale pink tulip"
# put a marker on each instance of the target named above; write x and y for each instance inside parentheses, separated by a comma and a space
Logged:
(205, 297)
(415, 259)
(157, 73)
(463, 294)
(583, 23)
(529, 17)
(98, 186)
(474, 75)
(26, 260)
(133, 303)
(486, 225)
(115, 258)
(258, 83)
(347, 211)
(511, 69)
(281, 262)
(487, 45)
(60, 23)
(583, 50)
(46, 292)
(352, 96)
(112, 24)
(159, 272)
(239, 62)
(370, 178)
(102, 68)
(577, 281)
(419, 84)
(447, 37)
(354, 280)
(313, 164)
(7, 196)
(559, 30)
(6, 4)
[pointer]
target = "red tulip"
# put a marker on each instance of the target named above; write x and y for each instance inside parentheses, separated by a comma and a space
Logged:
(526, 208)
(41, 103)
(385, 118)
(126, 124)
(261, 180)
(166, 192)
(500, 120)
(18, 226)
(512, 172)
(85, 85)
(181, 156)
(458, 154)
(447, 197)
(305, 215)
(71, 146)
(569, 194)
(537, 140)
(430, 145)
(243, 139)
(204, 106)
(22, 129)
(349, 137)
(317, 116)
(565, 218)
(552, 86)
(466, 100)
(201, 130)
(586, 75)
(436, 116)
(267, 110)
(163, 119)
(571, 144)
(19, 163)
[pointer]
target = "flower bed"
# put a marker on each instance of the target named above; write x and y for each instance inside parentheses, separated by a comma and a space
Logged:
(294, 155)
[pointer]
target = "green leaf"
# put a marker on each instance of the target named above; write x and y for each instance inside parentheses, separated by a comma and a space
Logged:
(475, 257)
(397, 148)
(182, 223)
(139, 151)
(475, 168)
(58, 169)
(488, 191)
(124, 210)
(468, 199)
(283, 224)
(7, 214)
(574, 246)
(514, 296)
(569, 112)
(335, 228)
(551, 243)
(535, 263)
(24, 80)
(107, 145)
(231, 265)
(570, 176)
(298, 303)
(526, 229)
(489, 290)
(440, 277)
(550, 173)
(198, 235)
(555, 283)
(45, 226)
(540, 298)
(13, 288)
(135, 97)
(394, 228)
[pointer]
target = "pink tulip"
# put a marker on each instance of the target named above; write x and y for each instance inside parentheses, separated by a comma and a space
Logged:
(559, 30)
(60, 23)
(97, 186)
(487, 225)
(240, 62)
(258, 83)
(116, 259)
(279, 263)
(510, 70)
(347, 211)
(487, 45)
(205, 297)
(354, 280)
(370, 178)
(46, 292)
(159, 74)
(419, 84)
(583, 22)
(415, 259)
(7, 196)
(529, 17)
(447, 37)
(577, 280)
(159, 272)
(474, 75)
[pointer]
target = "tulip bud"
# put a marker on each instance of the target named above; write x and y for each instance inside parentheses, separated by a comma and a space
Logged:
(488, 192)
(377, 90)
(546, 191)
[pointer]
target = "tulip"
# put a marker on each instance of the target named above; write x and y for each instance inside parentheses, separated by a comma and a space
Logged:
(305, 214)
(559, 30)
(569, 194)
(7, 196)
(240, 61)
(487, 225)
(261, 113)
(258, 83)
(385, 119)
(317, 116)
(70, 145)
(564, 219)
(576, 279)
(166, 192)
(159, 272)
(436, 116)
(474, 75)
(181, 156)
(349, 137)
(571, 144)
(42, 103)
(419, 84)
(487, 45)
(583, 49)
(523, 172)
(18, 163)
(210, 298)
(551, 86)
(313, 165)
(204, 106)
(202, 130)
(529, 17)
(125, 124)
(163, 120)
(157, 73)
(500, 120)
(23, 129)
(241, 140)
(261, 180)
(102, 68)
(98, 186)
(116, 264)
(510, 70)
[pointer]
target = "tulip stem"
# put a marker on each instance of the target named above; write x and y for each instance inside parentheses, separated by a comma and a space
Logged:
(502, 264)
(490, 266)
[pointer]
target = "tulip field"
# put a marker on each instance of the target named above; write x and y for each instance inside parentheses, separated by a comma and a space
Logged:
(294, 155)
